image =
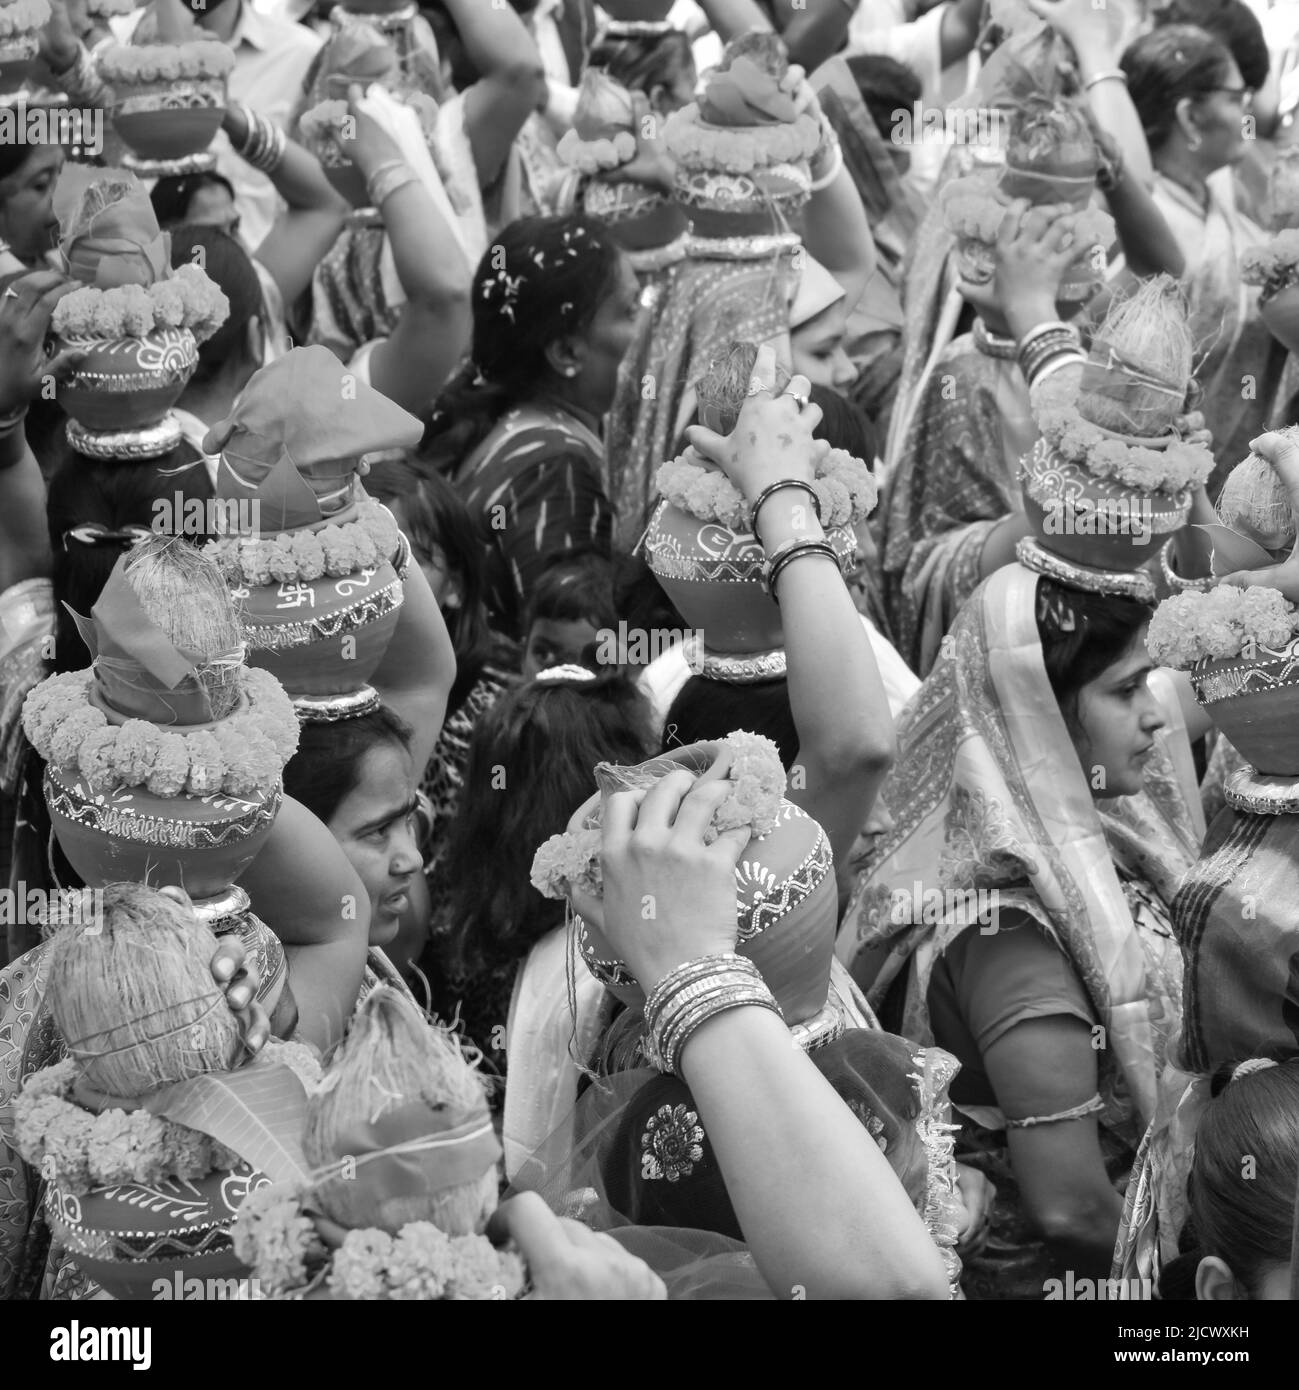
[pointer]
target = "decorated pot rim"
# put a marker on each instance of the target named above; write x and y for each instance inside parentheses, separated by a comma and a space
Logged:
(161, 96)
(296, 632)
(247, 815)
(1051, 477)
(1231, 677)
(144, 442)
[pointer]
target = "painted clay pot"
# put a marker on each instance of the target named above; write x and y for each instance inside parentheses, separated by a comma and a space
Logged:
(712, 575)
(200, 843)
(1255, 701)
(166, 121)
(1096, 521)
(322, 636)
(128, 1236)
(1281, 314)
(127, 383)
(786, 904)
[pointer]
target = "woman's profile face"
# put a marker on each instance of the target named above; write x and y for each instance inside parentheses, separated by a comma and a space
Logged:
(1219, 118)
(818, 351)
(375, 828)
(608, 339)
(1116, 719)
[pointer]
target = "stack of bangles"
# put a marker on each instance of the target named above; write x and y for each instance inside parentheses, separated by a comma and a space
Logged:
(783, 485)
(264, 145)
(785, 554)
(693, 993)
(387, 179)
(829, 158)
(1047, 348)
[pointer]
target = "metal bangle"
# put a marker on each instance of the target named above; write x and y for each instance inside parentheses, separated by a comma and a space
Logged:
(771, 489)
(1110, 75)
(797, 551)
(1174, 580)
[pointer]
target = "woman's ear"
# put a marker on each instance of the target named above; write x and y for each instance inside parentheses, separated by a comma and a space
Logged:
(256, 340)
(566, 356)
(1185, 118)
(1214, 1282)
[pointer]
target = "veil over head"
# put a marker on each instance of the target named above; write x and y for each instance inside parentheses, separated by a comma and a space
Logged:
(988, 794)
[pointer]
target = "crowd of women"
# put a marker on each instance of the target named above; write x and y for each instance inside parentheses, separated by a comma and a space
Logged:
(631, 290)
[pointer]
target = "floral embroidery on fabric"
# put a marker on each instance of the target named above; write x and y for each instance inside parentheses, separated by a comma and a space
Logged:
(672, 1144)
(981, 847)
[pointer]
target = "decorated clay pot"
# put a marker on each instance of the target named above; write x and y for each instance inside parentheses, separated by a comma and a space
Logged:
(200, 843)
(1254, 701)
(127, 383)
(17, 60)
(322, 636)
(169, 123)
(1096, 521)
(786, 902)
(131, 1238)
(712, 575)
(1281, 314)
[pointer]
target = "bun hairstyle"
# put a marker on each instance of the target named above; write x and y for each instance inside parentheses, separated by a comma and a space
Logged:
(643, 61)
(542, 280)
(1247, 1222)
(1082, 634)
(1166, 65)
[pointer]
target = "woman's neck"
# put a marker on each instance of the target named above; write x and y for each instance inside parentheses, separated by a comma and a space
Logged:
(568, 397)
(1181, 167)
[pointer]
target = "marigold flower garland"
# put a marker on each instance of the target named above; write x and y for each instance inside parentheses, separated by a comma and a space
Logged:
(596, 156)
(82, 1150)
(243, 755)
(1223, 622)
(20, 17)
(275, 1237)
(301, 556)
(1183, 466)
(572, 859)
(187, 299)
(844, 486)
(133, 65)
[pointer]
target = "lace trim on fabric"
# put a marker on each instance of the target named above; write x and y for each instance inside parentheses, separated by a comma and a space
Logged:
(934, 1072)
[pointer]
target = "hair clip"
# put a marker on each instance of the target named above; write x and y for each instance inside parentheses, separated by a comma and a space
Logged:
(564, 673)
(1252, 1065)
(95, 534)
(1055, 609)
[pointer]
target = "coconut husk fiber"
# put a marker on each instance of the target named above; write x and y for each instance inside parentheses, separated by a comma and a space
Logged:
(183, 592)
(397, 1078)
(134, 998)
(1253, 501)
(722, 389)
(1140, 363)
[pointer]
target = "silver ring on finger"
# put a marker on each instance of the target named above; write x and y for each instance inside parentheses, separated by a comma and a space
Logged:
(798, 397)
(756, 386)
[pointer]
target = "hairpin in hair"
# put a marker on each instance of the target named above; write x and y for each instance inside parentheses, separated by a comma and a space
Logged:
(1248, 1068)
(1055, 609)
(96, 534)
(565, 673)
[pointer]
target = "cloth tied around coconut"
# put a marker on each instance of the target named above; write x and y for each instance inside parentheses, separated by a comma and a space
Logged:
(139, 674)
(114, 239)
(294, 441)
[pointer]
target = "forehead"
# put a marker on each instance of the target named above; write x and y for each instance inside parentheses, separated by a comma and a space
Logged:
(829, 323)
(385, 783)
(1134, 659)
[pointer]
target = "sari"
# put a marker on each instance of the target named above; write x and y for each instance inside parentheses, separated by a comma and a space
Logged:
(535, 488)
(1234, 920)
(1240, 362)
(737, 289)
(990, 805)
(956, 477)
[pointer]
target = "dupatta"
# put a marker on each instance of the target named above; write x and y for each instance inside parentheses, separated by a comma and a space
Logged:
(987, 793)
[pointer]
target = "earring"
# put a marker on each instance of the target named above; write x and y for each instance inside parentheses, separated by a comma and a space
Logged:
(570, 371)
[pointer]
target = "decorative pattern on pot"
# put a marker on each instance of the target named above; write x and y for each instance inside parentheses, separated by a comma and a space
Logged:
(170, 125)
(128, 1236)
(127, 383)
(1095, 521)
(130, 835)
(323, 636)
(1254, 701)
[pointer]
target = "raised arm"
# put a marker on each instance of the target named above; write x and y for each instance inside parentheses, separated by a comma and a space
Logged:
(302, 234)
(822, 1212)
(845, 730)
(433, 331)
(813, 30)
(511, 83)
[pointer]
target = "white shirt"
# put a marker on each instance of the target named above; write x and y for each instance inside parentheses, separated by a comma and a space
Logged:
(271, 60)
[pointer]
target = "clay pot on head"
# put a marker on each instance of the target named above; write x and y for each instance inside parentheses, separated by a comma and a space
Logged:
(163, 121)
(1254, 701)
(1096, 521)
(127, 383)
